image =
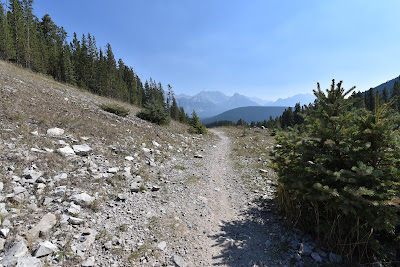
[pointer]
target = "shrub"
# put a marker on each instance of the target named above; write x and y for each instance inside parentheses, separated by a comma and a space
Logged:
(196, 126)
(156, 113)
(118, 110)
(341, 178)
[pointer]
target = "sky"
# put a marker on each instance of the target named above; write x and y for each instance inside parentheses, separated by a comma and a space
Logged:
(259, 48)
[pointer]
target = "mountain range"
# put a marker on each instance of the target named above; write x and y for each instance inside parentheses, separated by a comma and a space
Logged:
(210, 103)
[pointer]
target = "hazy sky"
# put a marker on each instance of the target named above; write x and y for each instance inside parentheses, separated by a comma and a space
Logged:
(264, 48)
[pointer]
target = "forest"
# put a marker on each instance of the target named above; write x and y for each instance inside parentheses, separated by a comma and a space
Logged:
(42, 46)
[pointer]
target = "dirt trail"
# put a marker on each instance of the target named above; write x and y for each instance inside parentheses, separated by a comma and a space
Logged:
(221, 237)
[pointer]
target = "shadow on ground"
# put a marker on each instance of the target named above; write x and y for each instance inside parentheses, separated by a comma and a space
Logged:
(257, 238)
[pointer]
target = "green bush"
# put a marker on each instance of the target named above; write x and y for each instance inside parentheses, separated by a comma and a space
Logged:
(155, 113)
(196, 126)
(340, 179)
(118, 110)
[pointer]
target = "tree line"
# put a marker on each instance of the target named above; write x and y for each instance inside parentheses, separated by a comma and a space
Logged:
(42, 46)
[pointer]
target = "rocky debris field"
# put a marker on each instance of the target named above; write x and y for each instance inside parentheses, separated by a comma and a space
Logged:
(83, 187)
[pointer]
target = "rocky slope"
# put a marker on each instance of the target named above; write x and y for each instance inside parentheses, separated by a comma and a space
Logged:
(83, 187)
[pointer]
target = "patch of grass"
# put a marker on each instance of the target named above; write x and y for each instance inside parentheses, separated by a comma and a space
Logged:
(116, 109)
(179, 167)
(192, 180)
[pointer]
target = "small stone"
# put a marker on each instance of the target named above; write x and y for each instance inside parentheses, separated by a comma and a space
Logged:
(179, 261)
(3, 211)
(35, 133)
(75, 221)
(66, 151)
(129, 158)
(4, 232)
(60, 191)
(305, 249)
(28, 261)
(19, 250)
(263, 171)
(162, 245)
(155, 144)
(55, 132)
(135, 187)
(316, 257)
(82, 150)
(335, 258)
(74, 209)
(146, 150)
(2, 243)
(30, 174)
(108, 245)
(198, 156)
(82, 199)
(113, 170)
(122, 197)
(18, 190)
(47, 201)
(155, 188)
(43, 227)
(45, 248)
(89, 262)
(61, 176)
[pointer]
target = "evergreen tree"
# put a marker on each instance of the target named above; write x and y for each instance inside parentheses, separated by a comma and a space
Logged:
(385, 96)
(369, 100)
(17, 34)
(196, 126)
(395, 96)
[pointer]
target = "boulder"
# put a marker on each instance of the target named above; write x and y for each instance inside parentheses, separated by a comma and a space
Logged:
(316, 257)
(82, 199)
(82, 150)
(19, 250)
(55, 132)
(43, 227)
(66, 151)
(28, 261)
(45, 248)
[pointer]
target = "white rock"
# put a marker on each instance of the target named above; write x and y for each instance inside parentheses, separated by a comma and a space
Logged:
(129, 158)
(45, 248)
(155, 144)
(61, 176)
(146, 150)
(32, 174)
(43, 227)
(35, 133)
(82, 150)
(28, 261)
(55, 131)
(66, 151)
(4, 232)
(162, 245)
(89, 262)
(113, 170)
(11, 256)
(3, 211)
(74, 209)
(179, 261)
(19, 190)
(60, 191)
(61, 142)
(82, 199)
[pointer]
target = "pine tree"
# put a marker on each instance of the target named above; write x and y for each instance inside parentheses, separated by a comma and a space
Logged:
(395, 95)
(196, 126)
(5, 42)
(385, 96)
(17, 35)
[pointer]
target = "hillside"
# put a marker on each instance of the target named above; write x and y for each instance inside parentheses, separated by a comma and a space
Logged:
(83, 187)
(248, 114)
(389, 85)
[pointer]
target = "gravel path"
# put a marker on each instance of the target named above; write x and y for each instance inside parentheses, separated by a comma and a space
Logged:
(225, 226)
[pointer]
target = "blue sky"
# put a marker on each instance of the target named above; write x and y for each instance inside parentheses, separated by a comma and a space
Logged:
(263, 48)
